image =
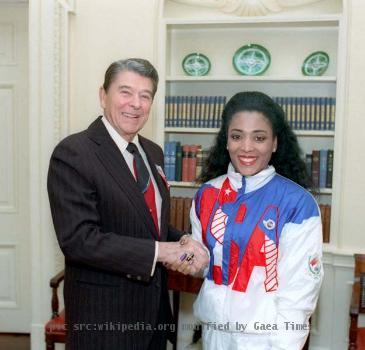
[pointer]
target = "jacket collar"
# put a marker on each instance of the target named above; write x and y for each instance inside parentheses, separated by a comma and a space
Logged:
(250, 183)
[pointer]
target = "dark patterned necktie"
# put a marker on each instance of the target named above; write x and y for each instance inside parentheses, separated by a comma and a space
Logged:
(143, 176)
(144, 183)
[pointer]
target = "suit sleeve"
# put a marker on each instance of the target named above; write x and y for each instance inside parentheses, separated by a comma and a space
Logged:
(300, 277)
(174, 235)
(74, 207)
(196, 229)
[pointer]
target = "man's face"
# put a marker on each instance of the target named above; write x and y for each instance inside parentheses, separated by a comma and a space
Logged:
(127, 103)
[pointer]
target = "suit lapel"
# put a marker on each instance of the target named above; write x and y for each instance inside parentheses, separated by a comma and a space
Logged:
(111, 158)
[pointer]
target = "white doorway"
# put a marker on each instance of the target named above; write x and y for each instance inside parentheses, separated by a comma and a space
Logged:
(15, 269)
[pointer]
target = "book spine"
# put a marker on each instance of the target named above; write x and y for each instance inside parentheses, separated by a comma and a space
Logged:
(329, 168)
(179, 213)
(178, 111)
(167, 103)
(186, 216)
(315, 168)
(173, 211)
(172, 160)
(167, 159)
(178, 162)
(327, 223)
(199, 161)
(182, 122)
(322, 168)
(192, 162)
(185, 163)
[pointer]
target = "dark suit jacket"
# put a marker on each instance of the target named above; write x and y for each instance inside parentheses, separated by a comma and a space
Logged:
(108, 238)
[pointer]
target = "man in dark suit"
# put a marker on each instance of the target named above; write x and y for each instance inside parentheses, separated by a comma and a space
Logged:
(110, 206)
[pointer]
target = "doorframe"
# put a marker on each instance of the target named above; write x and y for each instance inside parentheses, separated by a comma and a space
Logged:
(48, 123)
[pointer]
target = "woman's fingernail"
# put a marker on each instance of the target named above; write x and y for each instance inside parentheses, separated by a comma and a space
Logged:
(183, 257)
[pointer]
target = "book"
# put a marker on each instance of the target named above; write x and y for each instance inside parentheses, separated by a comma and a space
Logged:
(315, 168)
(178, 162)
(322, 167)
(192, 162)
(179, 220)
(329, 168)
(173, 211)
(167, 162)
(185, 164)
(326, 223)
(199, 161)
(172, 168)
(186, 216)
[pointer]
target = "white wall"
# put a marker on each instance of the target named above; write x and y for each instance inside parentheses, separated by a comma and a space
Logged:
(100, 33)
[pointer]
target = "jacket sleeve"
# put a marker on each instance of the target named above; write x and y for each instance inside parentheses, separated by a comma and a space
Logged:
(196, 229)
(74, 206)
(300, 276)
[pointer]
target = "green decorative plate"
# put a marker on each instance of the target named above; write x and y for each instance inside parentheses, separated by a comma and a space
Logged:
(196, 64)
(315, 64)
(251, 59)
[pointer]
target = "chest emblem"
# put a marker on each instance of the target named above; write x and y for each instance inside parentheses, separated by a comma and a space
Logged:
(269, 224)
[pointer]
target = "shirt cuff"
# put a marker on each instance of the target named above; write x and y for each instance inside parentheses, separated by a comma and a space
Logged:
(155, 258)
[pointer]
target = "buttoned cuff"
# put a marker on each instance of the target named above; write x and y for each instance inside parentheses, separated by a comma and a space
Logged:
(155, 258)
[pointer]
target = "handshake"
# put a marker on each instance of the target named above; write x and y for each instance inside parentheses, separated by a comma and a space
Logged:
(186, 256)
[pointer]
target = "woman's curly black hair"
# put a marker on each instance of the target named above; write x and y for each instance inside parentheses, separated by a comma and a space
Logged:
(287, 158)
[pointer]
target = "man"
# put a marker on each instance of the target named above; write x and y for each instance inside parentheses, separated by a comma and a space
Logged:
(110, 207)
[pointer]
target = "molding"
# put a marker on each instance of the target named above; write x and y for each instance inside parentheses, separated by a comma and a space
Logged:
(11, 304)
(339, 259)
(48, 111)
(11, 60)
(247, 7)
(12, 205)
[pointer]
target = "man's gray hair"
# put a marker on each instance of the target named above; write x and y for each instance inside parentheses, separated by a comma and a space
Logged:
(136, 65)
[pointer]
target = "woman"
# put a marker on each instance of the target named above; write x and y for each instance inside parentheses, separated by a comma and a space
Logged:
(262, 229)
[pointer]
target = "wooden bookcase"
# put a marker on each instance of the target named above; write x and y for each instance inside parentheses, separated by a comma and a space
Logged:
(289, 37)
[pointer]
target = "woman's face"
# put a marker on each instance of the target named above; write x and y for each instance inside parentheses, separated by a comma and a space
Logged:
(250, 142)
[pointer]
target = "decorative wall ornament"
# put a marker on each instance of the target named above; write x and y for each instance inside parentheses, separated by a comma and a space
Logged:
(248, 7)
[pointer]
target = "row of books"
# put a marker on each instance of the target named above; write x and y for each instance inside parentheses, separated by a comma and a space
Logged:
(319, 164)
(180, 216)
(302, 113)
(180, 213)
(326, 221)
(194, 111)
(309, 113)
(183, 162)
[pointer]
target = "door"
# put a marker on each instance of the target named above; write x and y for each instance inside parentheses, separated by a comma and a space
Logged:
(15, 289)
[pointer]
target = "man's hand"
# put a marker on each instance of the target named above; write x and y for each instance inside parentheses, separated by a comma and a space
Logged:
(186, 256)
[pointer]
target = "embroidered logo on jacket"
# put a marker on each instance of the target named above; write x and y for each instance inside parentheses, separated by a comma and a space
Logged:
(314, 265)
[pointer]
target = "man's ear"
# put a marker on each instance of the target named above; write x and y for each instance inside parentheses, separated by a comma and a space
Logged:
(102, 97)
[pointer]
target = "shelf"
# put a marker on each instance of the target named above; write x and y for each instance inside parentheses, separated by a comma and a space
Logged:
(319, 20)
(183, 184)
(308, 133)
(182, 78)
(325, 191)
(178, 130)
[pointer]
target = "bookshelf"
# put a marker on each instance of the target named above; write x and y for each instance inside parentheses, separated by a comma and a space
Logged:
(186, 29)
